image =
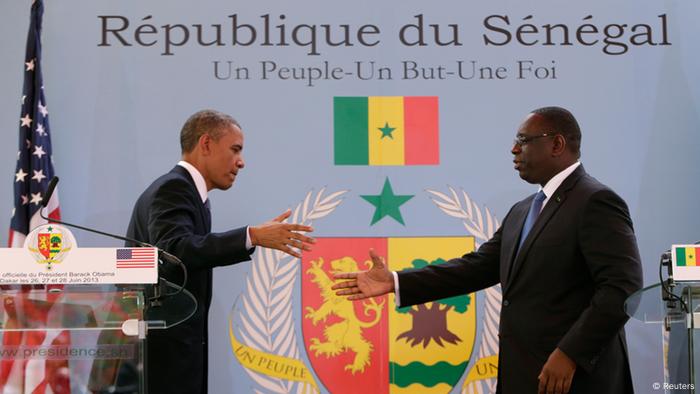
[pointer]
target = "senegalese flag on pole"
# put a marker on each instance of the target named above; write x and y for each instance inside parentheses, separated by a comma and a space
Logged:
(687, 256)
(386, 131)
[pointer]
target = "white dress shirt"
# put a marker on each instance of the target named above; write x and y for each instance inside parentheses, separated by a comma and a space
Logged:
(554, 183)
(201, 185)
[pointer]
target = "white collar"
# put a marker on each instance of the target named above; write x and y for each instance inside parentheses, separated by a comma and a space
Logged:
(198, 179)
(556, 181)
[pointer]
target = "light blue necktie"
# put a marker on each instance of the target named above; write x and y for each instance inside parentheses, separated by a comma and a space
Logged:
(532, 215)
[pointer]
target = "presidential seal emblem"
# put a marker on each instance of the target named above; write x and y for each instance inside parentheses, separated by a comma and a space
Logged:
(428, 348)
(49, 244)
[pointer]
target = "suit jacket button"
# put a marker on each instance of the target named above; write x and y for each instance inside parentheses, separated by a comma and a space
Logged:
(506, 303)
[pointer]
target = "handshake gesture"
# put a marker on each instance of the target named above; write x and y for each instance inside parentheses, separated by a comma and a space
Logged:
(365, 284)
(286, 237)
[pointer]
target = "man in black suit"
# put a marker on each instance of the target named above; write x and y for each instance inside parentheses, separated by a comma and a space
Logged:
(566, 258)
(173, 214)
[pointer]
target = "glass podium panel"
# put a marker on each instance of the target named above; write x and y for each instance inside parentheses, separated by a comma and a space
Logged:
(83, 339)
(677, 313)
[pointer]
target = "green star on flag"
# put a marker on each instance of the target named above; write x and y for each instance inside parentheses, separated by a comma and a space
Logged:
(387, 203)
(386, 130)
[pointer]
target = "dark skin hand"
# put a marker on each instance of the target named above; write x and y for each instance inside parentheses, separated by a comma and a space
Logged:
(365, 284)
(282, 236)
(557, 374)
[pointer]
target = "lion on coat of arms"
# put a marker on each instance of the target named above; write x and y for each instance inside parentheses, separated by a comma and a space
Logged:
(347, 334)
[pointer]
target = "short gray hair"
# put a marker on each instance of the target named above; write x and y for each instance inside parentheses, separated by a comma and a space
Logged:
(207, 121)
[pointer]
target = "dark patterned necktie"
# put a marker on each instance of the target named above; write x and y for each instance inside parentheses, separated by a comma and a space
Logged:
(532, 215)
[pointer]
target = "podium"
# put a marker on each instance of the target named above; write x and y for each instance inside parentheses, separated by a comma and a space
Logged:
(679, 329)
(83, 339)
(76, 320)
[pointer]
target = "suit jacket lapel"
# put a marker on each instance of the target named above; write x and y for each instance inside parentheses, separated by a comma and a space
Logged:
(549, 210)
(206, 216)
(511, 237)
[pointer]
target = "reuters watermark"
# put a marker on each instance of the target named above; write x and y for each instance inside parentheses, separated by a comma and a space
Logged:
(672, 386)
(63, 352)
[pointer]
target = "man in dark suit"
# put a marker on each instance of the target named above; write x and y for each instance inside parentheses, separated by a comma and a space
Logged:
(566, 258)
(173, 214)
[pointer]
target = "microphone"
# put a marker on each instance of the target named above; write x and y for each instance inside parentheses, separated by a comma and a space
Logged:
(162, 254)
(169, 257)
(49, 191)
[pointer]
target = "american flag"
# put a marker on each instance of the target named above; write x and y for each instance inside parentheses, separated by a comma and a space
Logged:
(34, 170)
(34, 160)
(136, 258)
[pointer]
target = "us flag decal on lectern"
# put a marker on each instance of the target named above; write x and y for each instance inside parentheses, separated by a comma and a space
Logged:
(136, 258)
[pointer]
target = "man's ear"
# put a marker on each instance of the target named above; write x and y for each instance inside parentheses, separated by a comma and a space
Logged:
(558, 145)
(204, 144)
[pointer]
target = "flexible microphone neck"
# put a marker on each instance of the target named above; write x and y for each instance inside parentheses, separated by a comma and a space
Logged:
(119, 237)
(159, 289)
(169, 257)
(49, 192)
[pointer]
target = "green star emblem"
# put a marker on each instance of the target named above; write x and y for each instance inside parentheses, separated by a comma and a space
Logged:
(386, 130)
(387, 203)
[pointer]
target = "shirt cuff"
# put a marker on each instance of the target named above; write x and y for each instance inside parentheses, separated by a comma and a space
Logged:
(397, 300)
(248, 242)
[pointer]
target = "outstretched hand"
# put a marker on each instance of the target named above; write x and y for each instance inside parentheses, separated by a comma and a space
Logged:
(282, 236)
(365, 284)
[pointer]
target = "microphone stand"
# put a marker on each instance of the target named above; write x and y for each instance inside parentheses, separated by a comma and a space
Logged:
(158, 292)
